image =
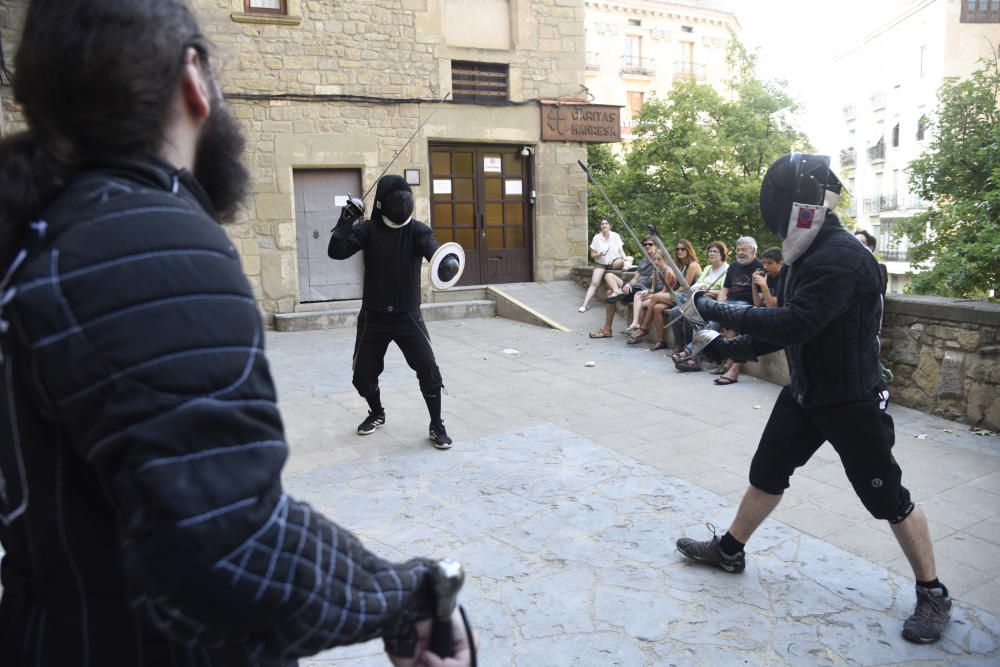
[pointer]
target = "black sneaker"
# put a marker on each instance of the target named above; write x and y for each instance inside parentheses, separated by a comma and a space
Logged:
(931, 614)
(371, 422)
(710, 553)
(439, 436)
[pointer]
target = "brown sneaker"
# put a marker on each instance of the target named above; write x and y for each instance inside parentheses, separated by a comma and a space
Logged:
(930, 616)
(710, 553)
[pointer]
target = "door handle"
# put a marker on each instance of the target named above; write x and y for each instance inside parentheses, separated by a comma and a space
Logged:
(315, 234)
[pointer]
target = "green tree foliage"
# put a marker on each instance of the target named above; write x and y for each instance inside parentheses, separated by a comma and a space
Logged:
(956, 242)
(694, 169)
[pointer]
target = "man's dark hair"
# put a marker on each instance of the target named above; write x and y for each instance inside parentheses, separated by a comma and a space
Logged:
(772, 254)
(93, 78)
(870, 239)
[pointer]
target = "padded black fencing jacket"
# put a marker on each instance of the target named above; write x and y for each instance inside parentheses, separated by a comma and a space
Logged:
(828, 322)
(141, 506)
(392, 262)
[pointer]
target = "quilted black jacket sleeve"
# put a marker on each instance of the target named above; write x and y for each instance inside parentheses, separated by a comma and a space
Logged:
(147, 355)
(828, 322)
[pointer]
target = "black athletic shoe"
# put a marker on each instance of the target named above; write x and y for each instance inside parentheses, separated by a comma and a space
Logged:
(710, 553)
(930, 616)
(371, 422)
(439, 436)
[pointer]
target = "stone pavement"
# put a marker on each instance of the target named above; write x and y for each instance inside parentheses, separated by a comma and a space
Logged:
(569, 484)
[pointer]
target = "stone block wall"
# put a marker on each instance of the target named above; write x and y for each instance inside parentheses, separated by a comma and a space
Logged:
(945, 357)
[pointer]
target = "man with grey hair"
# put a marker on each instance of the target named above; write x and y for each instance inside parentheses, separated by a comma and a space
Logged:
(738, 289)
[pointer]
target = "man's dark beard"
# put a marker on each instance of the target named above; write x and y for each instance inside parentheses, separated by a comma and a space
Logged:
(218, 165)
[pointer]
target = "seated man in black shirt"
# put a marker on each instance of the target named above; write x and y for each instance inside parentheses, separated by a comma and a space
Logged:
(738, 289)
(766, 281)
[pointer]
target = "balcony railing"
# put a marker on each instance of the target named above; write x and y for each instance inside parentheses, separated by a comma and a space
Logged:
(891, 247)
(634, 66)
(876, 152)
(688, 71)
(881, 203)
(848, 157)
(593, 65)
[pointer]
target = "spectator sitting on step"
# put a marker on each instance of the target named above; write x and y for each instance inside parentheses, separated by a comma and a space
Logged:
(766, 281)
(626, 292)
(687, 260)
(608, 252)
(711, 278)
(659, 292)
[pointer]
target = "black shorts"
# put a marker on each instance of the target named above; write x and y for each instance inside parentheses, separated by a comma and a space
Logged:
(861, 432)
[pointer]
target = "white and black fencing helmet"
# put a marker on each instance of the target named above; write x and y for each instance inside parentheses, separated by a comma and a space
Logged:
(796, 178)
(393, 201)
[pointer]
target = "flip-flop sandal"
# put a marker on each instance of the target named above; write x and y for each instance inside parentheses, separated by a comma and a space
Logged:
(721, 370)
(678, 357)
(657, 346)
(600, 334)
(723, 381)
(616, 297)
(635, 340)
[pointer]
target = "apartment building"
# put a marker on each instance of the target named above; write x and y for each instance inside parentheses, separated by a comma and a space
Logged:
(329, 93)
(890, 79)
(637, 49)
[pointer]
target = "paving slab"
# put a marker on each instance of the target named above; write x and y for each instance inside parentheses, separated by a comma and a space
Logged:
(569, 483)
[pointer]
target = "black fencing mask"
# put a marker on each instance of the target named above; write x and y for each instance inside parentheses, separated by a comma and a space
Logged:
(393, 201)
(797, 192)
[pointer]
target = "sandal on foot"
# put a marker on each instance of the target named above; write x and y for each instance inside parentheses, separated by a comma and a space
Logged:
(617, 296)
(721, 370)
(637, 336)
(600, 334)
(723, 381)
(688, 365)
(657, 346)
(678, 357)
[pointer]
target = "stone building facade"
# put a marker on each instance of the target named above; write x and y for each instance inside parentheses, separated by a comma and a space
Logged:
(637, 49)
(330, 93)
(889, 80)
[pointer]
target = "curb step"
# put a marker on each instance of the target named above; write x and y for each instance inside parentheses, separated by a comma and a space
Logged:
(339, 318)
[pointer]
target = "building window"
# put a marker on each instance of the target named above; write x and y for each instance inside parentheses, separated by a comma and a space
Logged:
(895, 136)
(265, 6)
(633, 50)
(981, 11)
(479, 83)
(686, 28)
(635, 23)
(635, 100)
(921, 128)
(922, 62)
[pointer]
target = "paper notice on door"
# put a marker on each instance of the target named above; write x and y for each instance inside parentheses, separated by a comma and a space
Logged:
(512, 186)
(442, 186)
(340, 200)
(492, 165)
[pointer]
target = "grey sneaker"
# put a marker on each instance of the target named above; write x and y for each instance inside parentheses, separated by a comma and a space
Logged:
(371, 422)
(930, 616)
(710, 553)
(439, 436)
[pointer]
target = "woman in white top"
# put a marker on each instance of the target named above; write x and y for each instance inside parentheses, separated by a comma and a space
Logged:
(608, 252)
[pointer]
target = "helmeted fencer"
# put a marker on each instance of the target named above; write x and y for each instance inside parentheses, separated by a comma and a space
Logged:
(828, 325)
(394, 245)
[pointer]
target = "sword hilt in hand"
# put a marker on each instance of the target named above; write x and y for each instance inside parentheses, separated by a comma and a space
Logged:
(448, 577)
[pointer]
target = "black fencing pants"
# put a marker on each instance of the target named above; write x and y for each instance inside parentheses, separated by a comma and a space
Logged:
(408, 331)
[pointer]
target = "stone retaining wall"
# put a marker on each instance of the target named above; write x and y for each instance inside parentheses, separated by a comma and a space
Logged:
(945, 356)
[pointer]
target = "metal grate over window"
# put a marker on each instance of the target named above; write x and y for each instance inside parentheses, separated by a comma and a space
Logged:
(482, 83)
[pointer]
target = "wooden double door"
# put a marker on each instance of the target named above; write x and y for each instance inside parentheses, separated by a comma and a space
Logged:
(480, 198)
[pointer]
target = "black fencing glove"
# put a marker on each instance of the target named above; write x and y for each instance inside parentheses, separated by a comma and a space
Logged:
(349, 214)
